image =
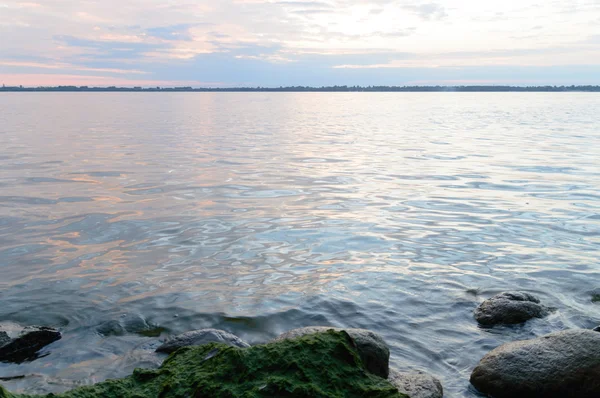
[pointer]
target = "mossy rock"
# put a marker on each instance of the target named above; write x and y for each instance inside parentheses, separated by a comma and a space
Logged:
(318, 365)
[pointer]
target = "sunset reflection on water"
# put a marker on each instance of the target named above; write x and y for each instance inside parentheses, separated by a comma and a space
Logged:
(261, 212)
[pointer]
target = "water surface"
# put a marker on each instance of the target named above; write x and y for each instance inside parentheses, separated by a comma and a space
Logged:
(262, 212)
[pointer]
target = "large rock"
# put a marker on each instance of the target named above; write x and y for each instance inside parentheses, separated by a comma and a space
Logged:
(318, 365)
(560, 365)
(416, 384)
(510, 308)
(19, 344)
(373, 350)
(201, 337)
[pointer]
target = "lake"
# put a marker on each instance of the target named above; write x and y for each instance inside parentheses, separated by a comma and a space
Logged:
(262, 212)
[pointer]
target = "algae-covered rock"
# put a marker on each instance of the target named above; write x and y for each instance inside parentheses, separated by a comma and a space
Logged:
(20, 344)
(510, 308)
(317, 365)
(5, 394)
(371, 347)
(417, 384)
(201, 337)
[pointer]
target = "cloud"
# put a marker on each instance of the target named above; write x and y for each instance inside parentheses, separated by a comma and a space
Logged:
(69, 67)
(579, 54)
(271, 40)
(427, 11)
(172, 32)
(41, 80)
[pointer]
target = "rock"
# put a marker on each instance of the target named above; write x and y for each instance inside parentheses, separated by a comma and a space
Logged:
(597, 329)
(416, 384)
(19, 344)
(3, 338)
(130, 323)
(318, 365)
(510, 308)
(559, 365)
(373, 350)
(201, 337)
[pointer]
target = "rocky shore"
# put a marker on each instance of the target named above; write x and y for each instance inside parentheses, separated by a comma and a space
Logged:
(334, 362)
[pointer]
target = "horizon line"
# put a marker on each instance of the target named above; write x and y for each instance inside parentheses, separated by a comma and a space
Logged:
(334, 88)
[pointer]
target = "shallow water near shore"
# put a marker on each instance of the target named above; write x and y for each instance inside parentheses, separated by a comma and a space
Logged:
(262, 212)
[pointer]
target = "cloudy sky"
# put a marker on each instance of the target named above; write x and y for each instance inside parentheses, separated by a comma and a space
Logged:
(299, 42)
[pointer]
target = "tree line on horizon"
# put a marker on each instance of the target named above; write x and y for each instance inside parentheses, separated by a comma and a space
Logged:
(572, 88)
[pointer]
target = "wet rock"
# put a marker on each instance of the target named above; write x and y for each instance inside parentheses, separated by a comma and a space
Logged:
(597, 329)
(416, 384)
(11, 378)
(201, 337)
(373, 350)
(128, 324)
(317, 365)
(3, 338)
(20, 344)
(559, 365)
(510, 308)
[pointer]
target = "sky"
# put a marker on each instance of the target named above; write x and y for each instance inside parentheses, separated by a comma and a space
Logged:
(271, 43)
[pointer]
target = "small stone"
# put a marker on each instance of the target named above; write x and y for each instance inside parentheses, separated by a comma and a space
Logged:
(373, 350)
(201, 337)
(416, 384)
(510, 308)
(20, 344)
(559, 365)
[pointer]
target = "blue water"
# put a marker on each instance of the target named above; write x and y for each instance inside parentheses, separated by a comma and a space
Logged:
(262, 212)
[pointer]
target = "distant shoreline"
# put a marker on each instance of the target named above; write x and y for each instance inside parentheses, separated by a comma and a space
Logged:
(296, 89)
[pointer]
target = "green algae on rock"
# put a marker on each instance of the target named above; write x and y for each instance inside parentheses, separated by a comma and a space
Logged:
(317, 365)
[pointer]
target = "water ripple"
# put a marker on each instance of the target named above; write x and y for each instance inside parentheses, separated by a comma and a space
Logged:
(257, 213)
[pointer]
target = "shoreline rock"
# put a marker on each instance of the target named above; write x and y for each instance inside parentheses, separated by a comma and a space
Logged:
(560, 365)
(510, 308)
(416, 384)
(317, 365)
(20, 344)
(201, 337)
(373, 350)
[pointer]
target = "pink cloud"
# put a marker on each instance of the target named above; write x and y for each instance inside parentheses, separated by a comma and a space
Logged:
(40, 79)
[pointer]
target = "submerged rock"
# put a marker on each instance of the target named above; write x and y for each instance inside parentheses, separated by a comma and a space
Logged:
(510, 308)
(4, 338)
(559, 365)
(20, 344)
(201, 337)
(416, 384)
(373, 350)
(318, 365)
(130, 323)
